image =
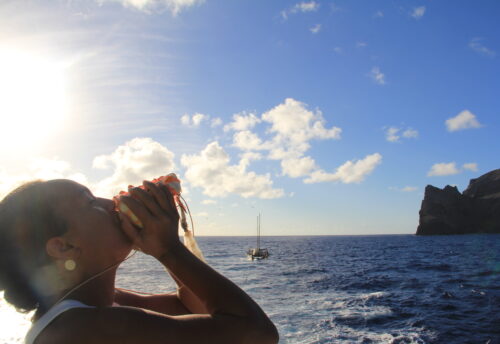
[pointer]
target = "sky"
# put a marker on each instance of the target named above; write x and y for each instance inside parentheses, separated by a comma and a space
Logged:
(327, 117)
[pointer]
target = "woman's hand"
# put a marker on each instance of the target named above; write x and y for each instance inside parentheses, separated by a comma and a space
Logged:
(155, 207)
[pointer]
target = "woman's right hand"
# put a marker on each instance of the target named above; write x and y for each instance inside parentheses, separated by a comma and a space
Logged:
(155, 207)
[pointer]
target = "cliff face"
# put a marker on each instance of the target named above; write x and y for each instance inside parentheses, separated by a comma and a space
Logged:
(476, 210)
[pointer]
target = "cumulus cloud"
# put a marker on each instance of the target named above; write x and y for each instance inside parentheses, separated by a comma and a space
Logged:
(133, 162)
(377, 76)
(378, 14)
(361, 44)
(209, 202)
(464, 120)
(156, 6)
(471, 166)
(349, 172)
(194, 120)
(315, 29)
(393, 134)
(216, 122)
(443, 169)
(293, 123)
(211, 171)
(242, 121)
(247, 140)
(418, 12)
(292, 126)
(298, 167)
(476, 45)
(303, 7)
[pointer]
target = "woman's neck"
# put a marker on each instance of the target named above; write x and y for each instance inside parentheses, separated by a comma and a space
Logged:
(98, 292)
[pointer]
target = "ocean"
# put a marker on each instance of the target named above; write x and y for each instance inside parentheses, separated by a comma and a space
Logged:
(349, 289)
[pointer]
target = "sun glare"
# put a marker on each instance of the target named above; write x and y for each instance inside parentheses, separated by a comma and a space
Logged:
(32, 98)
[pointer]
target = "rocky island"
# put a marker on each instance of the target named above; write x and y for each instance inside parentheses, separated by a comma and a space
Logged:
(476, 210)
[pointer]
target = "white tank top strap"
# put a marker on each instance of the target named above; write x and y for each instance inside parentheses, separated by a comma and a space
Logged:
(38, 326)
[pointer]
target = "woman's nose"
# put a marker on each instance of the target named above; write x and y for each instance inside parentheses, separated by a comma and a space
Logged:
(108, 204)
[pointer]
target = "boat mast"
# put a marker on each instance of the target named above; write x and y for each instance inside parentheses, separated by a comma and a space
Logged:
(258, 232)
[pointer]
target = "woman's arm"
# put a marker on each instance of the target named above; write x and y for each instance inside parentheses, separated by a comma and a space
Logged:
(221, 298)
(175, 303)
(168, 303)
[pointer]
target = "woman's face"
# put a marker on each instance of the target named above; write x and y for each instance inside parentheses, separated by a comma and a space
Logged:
(93, 226)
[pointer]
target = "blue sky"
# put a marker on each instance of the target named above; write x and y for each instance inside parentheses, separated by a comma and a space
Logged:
(326, 117)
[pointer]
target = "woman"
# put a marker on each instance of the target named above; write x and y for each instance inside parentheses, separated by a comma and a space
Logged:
(55, 234)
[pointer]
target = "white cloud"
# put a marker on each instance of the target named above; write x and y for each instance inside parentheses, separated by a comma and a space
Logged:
(242, 121)
(410, 133)
(211, 171)
(186, 119)
(157, 6)
(464, 120)
(377, 76)
(418, 12)
(209, 202)
(315, 29)
(294, 123)
(137, 160)
(292, 126)
(349, 172)
(305, 6)
(338, 50)
(216, 122)
(471, 166)
(297, 167)
(378, 14)
(246, 140)
(476, 45)
(392, 134)
(194, 120)
(361, 44)
(443, 169)
(403, 189)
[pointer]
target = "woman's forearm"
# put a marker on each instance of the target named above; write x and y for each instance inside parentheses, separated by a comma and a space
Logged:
(188, 298)
(216, 292)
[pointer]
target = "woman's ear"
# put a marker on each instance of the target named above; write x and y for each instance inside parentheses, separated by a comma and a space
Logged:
(60, 248)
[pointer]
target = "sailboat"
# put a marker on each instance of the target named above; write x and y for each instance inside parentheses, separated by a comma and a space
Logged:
(257, 252)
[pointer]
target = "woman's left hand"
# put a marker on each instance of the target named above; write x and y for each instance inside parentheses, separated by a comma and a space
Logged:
(156, 209)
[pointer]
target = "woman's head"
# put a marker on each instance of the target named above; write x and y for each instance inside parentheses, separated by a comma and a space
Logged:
(44, 224)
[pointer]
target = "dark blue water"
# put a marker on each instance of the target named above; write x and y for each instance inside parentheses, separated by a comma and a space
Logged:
(360, 289)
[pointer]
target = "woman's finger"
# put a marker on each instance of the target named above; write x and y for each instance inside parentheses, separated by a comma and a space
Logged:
(137, 207)
(130, 230)
(170, 199)
(146, 199)
(159, 195)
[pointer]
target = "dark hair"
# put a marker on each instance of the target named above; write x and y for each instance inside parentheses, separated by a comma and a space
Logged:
(27, 220)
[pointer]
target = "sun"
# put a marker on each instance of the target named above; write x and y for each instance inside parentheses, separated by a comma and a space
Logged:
(33, 103)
